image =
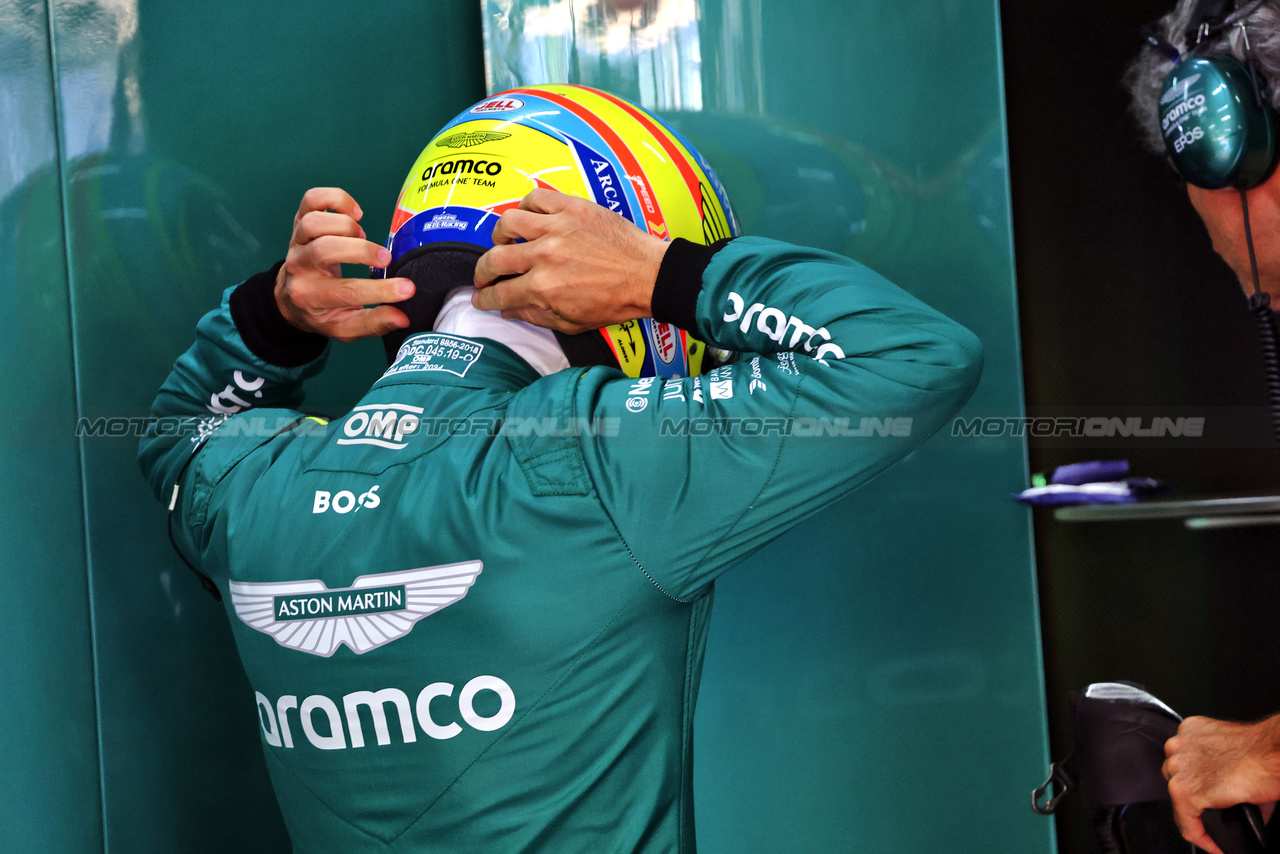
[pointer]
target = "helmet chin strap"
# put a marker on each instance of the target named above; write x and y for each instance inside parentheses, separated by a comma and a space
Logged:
(535, 345)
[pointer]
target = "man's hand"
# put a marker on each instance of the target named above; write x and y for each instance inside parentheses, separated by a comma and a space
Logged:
(1214, 764)
(582, 267)
(310, 291)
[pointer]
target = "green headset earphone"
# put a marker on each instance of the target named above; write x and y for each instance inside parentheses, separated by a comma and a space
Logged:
(1220, 131)
(1218, 127)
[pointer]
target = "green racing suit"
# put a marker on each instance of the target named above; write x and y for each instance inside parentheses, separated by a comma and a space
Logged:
(473, 610)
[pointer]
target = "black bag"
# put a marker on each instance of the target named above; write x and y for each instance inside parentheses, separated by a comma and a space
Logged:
(1120, 731)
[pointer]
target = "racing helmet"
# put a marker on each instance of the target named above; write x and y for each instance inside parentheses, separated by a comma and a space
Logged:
(582, 142)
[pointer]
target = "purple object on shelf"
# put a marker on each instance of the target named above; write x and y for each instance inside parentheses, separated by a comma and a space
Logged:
(1090, 472)
(1117, 492)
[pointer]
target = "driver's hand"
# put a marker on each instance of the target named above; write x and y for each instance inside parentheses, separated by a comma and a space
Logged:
(582, 267)
(310, 291)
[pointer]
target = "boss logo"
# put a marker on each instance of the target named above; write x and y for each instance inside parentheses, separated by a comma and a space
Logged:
(345, 501)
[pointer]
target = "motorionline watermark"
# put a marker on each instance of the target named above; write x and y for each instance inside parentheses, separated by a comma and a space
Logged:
(266, 427)
(800, 426)
(1068, 428)
(1081, 427)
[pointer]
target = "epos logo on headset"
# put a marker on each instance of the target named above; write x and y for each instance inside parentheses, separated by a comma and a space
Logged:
(1218, 128)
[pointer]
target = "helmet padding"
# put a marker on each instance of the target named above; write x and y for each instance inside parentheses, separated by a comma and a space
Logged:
(434, 273)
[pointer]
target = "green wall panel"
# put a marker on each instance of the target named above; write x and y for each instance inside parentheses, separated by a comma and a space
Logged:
(873, 678)
(187, 135)
(50, 797)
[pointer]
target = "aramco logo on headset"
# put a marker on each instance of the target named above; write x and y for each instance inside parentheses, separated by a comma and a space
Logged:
(1187, 103)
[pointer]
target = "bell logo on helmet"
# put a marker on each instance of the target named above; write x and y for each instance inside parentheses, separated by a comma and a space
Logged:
(666, 341)
(446, 220)
(497, 105)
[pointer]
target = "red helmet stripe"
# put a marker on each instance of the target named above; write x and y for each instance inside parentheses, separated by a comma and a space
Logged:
(402, 216)
(629, 162)
(613, 346)
(677, 156)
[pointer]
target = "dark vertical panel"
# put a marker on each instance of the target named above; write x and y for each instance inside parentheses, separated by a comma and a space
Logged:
(872, 680)
(49, 787)
(192, 131)
(1126, 311)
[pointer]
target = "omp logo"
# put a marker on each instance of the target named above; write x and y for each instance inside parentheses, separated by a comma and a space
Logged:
(309, 617)
(218, 404)
(1178, 90)
(666, 341)
(384, 425)
(475, 137)
(277, 728)
(774, 323)
(498, 105)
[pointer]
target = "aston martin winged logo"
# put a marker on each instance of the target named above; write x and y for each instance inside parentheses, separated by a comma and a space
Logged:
(373, 611)
(1178, 90)
(470, 138)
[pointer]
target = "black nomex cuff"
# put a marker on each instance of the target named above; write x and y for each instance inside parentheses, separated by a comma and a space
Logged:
(264, 330)
(675, 293)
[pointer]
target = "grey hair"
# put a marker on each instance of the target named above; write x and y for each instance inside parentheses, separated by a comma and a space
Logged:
(1146, 74)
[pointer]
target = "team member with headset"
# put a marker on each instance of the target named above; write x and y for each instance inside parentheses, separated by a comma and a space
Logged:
(473, 610)
(1205, 93)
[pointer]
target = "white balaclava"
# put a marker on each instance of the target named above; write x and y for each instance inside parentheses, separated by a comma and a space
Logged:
(535, 345)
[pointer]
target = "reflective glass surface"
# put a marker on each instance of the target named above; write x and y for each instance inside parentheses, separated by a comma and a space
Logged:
(49, 785)
(152, 154)
(873, 679)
